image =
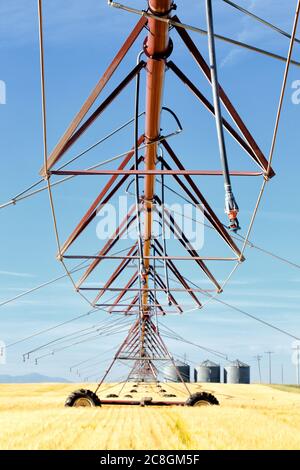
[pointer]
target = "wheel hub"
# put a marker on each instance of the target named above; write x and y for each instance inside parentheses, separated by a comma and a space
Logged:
(83, 402)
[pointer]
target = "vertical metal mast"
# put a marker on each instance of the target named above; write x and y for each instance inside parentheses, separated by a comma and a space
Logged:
(157, 47)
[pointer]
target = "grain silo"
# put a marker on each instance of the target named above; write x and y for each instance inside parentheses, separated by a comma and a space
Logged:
(208, 371)
(237, 372)
(171, 372)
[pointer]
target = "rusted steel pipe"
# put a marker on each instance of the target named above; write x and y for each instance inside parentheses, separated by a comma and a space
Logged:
(154, 172)
(156, 48)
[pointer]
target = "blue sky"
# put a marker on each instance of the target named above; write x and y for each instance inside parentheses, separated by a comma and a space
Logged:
(80, 40)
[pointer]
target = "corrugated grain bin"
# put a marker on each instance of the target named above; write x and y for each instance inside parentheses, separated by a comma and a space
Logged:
(208, 371)
(237, 372)
(171, 374)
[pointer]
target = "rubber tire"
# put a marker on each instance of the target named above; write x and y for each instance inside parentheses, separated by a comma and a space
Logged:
(201, 396)
(82, 393)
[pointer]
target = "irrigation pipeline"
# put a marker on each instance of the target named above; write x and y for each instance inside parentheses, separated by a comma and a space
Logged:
(153, 138)
(83, 264)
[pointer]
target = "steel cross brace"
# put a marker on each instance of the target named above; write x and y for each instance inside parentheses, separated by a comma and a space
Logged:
(123, 227)
(158, 248)
(60, 148)
(116, 273)
(243, 143)
(204, 67)
(103, 198)
(199, 199)
(182, 238)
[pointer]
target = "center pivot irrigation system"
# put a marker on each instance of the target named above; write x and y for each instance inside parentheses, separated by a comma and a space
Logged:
(150, 160)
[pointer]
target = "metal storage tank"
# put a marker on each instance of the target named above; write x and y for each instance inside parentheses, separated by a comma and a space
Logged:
(208, 371)
(237, 372)
(171, 375)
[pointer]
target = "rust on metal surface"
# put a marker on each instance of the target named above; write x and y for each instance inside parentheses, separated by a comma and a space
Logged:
(157, 48)
(59, 148)
(154, 172)
(99, 202)
(144, 343)
(226, 101)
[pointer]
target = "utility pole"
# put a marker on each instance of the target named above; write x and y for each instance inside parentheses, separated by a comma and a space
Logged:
(297, 348)
(258, 358)
(270, 365)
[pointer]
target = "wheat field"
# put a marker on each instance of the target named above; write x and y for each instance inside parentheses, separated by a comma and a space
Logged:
(33, 416)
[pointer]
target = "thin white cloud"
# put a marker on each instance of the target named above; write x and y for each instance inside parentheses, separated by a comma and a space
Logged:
(265, 304)
(231, 58)
(253, 32)
(22, 303)
(263, 293)
(63, 21)
(94, 284)
(16, 274)
(13, 289)
(237, 282)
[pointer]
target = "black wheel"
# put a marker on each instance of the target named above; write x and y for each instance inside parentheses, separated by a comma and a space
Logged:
(201, 399)
(83, 397)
